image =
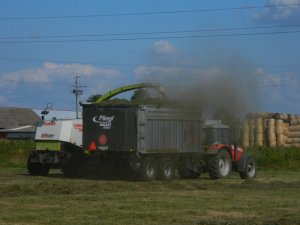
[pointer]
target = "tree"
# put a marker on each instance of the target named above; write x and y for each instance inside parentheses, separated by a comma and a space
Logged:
(93, 98)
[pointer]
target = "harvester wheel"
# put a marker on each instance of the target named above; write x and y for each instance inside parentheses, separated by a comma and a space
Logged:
(148, 169)
(220, 165)
(249, 170)
(166, 169)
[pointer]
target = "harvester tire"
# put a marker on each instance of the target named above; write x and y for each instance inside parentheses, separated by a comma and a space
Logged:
(166, 169)
(220, 165)
(249, 170)
(148, 169)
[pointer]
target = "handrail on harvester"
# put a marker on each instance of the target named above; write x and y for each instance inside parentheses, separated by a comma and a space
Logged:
(119, 90)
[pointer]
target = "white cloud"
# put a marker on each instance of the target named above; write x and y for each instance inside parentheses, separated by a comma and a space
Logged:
(80, 69)
(53, 71)
(163, 47)
(280, 13)
(144, 71)
(166, 72)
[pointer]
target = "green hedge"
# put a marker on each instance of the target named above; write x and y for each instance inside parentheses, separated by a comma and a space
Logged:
(276, 158)
(14, 153)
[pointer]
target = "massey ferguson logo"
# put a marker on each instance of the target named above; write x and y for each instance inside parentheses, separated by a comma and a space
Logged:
(104, 121)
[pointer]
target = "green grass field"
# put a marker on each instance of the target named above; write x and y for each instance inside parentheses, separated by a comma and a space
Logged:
(272, 198)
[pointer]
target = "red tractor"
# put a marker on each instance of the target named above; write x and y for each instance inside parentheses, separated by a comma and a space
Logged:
(222, 158)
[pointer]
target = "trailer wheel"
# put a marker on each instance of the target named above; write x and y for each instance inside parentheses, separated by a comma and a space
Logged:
(220, 165)
(249, 170)
(148, 169)
(166, 169)
(37, 169)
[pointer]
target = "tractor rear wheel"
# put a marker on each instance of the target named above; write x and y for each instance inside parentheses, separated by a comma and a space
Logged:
(220, 165)
(249, 170)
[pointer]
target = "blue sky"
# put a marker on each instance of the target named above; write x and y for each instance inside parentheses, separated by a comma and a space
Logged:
(220, 52)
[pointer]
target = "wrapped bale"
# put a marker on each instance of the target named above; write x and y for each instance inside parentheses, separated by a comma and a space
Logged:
(271, 133)
(296, 140)
(294, 122)
(289, 141)
(282, 116)
(246, 133)
(259, 131)
(251, 132)
(279, 130)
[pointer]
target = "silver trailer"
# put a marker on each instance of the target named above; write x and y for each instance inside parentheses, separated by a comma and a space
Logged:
(150, 140)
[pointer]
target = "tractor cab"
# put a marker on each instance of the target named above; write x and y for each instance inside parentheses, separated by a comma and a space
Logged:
(215, 132)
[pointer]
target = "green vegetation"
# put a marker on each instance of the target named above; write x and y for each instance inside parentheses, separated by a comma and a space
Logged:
(276, 158)
(14, 153)
(272, 198)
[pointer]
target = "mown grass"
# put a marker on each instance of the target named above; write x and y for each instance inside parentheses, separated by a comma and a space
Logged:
(272, 198)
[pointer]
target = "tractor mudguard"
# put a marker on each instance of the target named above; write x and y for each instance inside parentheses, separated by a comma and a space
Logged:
(213, 149)
(241, 166)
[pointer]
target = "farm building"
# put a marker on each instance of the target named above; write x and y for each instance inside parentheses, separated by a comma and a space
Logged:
(17, 123)
(20, 123)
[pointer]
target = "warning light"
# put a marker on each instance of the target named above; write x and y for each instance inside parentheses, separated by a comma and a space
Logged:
(93, 146)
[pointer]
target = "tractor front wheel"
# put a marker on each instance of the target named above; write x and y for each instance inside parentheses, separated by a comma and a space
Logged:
(249, 170)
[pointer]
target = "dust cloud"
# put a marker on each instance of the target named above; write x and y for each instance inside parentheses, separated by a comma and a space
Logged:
(230, 87)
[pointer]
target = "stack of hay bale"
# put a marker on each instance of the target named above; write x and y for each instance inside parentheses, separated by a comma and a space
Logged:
(271, 129)
(293, 138)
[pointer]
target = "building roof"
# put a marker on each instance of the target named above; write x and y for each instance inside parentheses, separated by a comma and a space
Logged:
(58, 114)
(11, 118)
(23, 129)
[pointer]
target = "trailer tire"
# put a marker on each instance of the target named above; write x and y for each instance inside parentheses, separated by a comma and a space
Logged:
(249, 170)
(220, 165)
(148, 169)
(37, 169)
(166, 169)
